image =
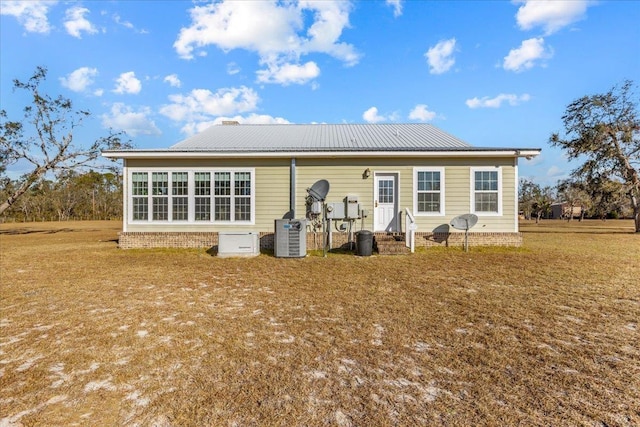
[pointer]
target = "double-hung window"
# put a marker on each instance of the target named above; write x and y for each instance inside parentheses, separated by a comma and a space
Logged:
(140, 199)
(428, 191)
(242, 196)
(486, 191)
(160, 193)
(202, 184)
(180, 193)
(222, 196)
(232, 196)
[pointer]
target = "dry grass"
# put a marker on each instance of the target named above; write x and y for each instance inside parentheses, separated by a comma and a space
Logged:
(543, 335)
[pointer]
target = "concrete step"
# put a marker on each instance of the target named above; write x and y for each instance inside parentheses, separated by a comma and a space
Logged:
(391, 244)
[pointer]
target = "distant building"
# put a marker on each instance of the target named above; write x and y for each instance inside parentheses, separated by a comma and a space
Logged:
(562, 210)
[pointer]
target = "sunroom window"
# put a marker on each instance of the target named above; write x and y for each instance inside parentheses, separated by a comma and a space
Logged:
(160, 192)
(192, 196)
(179, 193)
(140, 192)
(202, 183)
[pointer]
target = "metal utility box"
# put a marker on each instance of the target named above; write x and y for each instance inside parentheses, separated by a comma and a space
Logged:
(316, 207)
(290, 238)
(351, 206)
(335, 210)
(238, 244)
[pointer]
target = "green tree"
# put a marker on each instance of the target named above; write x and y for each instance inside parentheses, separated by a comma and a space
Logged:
(534, 201)
(603, 130)
(526, 197)
(542, 202)
(44, 138)
(574, 194)
(607, 198)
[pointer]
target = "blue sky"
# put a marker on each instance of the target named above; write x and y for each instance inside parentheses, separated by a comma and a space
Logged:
(494, 73)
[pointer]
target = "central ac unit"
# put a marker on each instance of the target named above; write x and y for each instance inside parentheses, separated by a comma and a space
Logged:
(290, 240)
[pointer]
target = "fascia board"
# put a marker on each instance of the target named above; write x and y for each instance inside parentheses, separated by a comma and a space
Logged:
(317, 154)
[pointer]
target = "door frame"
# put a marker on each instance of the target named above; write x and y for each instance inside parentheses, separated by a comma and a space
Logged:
(395, 223)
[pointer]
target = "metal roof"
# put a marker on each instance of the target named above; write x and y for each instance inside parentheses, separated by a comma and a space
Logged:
(321, 138)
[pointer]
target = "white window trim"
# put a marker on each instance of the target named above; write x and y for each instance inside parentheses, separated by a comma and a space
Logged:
(415, 191)
(472, 180)
(190, 194)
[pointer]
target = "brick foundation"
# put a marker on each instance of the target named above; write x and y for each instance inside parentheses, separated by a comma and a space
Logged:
(475, 239)
(140, 240)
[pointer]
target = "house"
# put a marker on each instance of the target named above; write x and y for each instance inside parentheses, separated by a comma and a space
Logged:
(243, 177)
(562, 210)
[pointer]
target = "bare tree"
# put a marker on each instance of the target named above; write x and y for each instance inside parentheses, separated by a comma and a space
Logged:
(48, 143)
(604, 129)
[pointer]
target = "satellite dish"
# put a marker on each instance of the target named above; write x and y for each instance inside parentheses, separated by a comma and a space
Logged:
(319, 190)
(465, 222)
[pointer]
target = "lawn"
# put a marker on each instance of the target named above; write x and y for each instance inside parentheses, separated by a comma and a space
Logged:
(546, 334)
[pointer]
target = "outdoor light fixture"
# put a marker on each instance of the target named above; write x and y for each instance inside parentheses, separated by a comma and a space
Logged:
(366, 174)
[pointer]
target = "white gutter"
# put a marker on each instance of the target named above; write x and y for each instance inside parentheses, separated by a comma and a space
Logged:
(175, 154)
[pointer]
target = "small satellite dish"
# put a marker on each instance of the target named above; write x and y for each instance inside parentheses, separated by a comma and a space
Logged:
(465, 222)
(319, 190)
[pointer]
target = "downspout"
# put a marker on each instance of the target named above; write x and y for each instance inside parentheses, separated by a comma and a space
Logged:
(517, 196)
(125, 196)
(292, 188)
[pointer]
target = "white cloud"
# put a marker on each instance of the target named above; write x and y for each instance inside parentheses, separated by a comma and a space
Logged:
(420, 112)
(497, 101)
(173, 80)
(76, 23)
(252, 119)
(32, 15)
(127, 24)
(128, 83)
(440, 57)
(134, 123)
(397, 7)
(232, 68)
(286, 74)
(372, 116)
(80, 79)
(525, 57)
(203, 105)
(550, 15)
(276, 31)
(118, 20)
(555, 171)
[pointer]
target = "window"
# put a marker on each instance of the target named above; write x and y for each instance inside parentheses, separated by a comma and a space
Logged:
(139, 191)
(242, 192)
(203, 196)
(192, 196)
(486, 187)
(180, 199)
(160, 192)
(222, 196)
(428, 191)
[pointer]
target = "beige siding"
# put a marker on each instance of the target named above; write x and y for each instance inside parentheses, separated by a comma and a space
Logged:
(345, 176)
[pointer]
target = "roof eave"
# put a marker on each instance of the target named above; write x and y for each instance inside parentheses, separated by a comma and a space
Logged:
(186, 154)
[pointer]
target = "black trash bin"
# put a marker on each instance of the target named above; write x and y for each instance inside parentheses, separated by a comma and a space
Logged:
(364, 243)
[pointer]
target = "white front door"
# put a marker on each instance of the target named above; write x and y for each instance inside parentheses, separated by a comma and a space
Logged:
(385, 212)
